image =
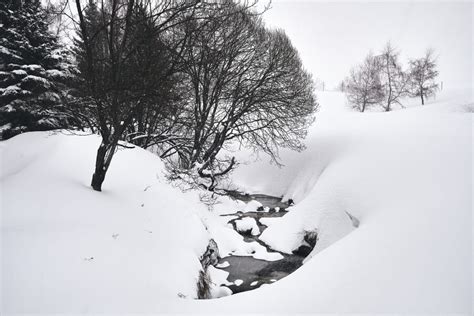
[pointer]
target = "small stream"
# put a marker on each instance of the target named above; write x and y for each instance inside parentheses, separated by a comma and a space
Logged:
(247, 273)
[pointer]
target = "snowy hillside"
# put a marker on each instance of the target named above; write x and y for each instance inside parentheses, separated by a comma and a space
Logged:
(67, 248)
(404, 176)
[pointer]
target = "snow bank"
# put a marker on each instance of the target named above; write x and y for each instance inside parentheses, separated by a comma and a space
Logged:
(247, 224)
(406, 176)
(68, 249)
(229, 241)
(268, 221)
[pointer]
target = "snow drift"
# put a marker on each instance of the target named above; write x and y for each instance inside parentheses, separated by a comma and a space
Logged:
(69, 249)
(405, 176)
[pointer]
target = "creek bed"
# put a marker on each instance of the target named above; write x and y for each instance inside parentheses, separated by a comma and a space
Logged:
(256, 272)
(247, 273)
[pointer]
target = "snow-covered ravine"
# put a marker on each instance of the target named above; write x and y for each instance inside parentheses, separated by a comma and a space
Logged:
(134, 247)
(247, 273)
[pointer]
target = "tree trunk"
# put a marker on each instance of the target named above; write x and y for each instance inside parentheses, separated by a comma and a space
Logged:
(102, 163)
(100, 170)
(422, 97)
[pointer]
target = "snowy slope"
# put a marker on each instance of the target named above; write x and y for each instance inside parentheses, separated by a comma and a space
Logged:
(69, 249)
(405, 175)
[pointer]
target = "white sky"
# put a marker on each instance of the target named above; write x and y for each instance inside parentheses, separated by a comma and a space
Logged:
(334, 36)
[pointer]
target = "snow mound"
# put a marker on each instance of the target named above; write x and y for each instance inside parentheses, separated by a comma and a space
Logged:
(269, 221)
(247, 224)
(231, 242)
(68, 249)
(252, 206)
(406, 177)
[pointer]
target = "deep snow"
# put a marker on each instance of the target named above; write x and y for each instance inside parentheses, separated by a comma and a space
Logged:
(67, 248)
(405, 175)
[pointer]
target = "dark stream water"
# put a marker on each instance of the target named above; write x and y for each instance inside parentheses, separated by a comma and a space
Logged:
(255, 272)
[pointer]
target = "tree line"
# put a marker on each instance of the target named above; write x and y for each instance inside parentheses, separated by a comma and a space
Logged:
(181, 78)
(381, 81)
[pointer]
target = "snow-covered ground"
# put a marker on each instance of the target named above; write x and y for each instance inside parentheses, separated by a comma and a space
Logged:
(404, 175)
(67, 248)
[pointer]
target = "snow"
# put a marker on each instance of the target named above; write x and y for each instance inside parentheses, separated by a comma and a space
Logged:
(403, 176)
(32, 78)
(11, 89)
(219, 277)
(231, 242)
(220, 291)
(247, 224)
(252, 206)
(19, 72)
(6, 51)
(59, 253)
(5, 127)
(33, 67)
(238, 282)
(55, 73)
(269, 221)
(406, 177)
(224, 264)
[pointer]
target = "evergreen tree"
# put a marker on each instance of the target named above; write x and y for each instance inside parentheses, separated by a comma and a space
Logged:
(33, 71)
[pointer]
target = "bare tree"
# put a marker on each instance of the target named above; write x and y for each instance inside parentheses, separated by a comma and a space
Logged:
(248, 85)
(342, 86)
(423, 74)
(363, 86)
(121, 72)
(394, 79)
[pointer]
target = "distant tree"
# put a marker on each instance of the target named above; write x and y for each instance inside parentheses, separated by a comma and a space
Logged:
(34, 70)
(395, 81)
(248, 85)
(363, 86)
(423, 74)
(342, 86)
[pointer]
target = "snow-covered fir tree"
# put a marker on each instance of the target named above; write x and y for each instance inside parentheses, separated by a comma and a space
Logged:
(33, 70)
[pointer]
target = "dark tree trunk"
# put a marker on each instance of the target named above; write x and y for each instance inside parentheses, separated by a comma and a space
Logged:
(422, 97)
(104, 157)
(100, 170)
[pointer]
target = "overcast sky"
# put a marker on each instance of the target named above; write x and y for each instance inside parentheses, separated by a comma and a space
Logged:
(333, 36)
